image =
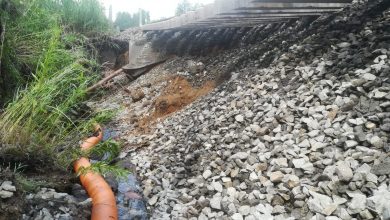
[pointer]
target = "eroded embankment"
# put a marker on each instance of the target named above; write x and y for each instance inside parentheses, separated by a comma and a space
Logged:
(300, 131)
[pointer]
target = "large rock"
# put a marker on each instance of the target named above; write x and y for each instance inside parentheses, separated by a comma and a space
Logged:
(244, 210)
(376, 142)
(215, 202)
(320, 203)
(6, 194)
(137, 95)
(379, 201)
(358, 202)
(381, 168)
(217, 186)
(240, 155)
(344, 172)
(276, 177)
(206, 174)
(239, 118)
(7, 185)
(237, 216)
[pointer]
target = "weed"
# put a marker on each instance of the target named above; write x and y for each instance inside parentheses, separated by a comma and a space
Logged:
(46, 59)
(15, 168)
(101, 117)
(29, 185)
(39, 113)
(105, 169)
(107, 150)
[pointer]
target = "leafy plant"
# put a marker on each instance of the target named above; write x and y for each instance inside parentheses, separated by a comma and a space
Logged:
(103, 116)
(108, 150)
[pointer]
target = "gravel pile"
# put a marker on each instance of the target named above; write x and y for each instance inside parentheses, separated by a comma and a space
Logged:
(7, 189)
(45, 204)
(306, 137)
(48, 204)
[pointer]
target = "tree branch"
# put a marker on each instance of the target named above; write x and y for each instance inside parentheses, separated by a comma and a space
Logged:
(104, 80)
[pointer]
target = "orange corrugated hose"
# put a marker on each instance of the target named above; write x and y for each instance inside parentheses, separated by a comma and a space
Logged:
(103, 199)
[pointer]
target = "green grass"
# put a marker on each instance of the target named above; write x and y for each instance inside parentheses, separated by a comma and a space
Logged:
(30, 185)
(105, 169)
(49, 69)
(30, 25)
(38, 116)
(107, 150)
(29, 30)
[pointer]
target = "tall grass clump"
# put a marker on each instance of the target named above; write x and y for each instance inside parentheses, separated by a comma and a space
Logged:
(38, 118)
(45, 41)
(38, 113)
(29, 28)
(27, 35)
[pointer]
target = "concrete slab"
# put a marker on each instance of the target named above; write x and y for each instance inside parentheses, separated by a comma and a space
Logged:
(273, 5)
(304, 1)
(222, 17)
(244, 11)
(242, 20)
(265, 20)
(302, 12)
(227, 25)
(257, 22)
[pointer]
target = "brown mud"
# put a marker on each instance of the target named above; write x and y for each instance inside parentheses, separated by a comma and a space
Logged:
(178, 94)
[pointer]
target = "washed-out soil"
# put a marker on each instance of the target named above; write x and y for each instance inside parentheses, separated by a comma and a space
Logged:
(178, 94)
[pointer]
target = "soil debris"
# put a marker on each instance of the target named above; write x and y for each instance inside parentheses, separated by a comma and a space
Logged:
(178, 94)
